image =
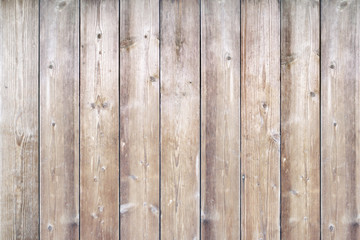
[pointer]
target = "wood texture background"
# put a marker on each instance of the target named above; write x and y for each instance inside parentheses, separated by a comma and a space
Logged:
(174, 119)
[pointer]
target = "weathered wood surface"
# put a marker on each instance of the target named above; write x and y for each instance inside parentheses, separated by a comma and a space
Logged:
(139, 132)
(99, 120)
(19, 201)
(167, 119)
(59, 119)
(260, 119)
(300, 120)
(180, 119)
(340, 118)
(220, 119)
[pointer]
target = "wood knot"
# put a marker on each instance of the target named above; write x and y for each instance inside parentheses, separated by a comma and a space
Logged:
(50, 227)
(61, 5)
(331, 228)
(264, 105)
(312, 94)
(99, 35)
(100, 103)
(127, 43)
(343, 5)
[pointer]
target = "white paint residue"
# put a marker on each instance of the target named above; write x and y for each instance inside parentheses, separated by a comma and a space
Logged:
(126, 207)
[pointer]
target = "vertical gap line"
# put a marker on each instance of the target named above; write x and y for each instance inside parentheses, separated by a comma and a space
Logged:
(119, 122)
(159, 49)
(320, 126)
(200, 85)
(79, 49)
(280, 165)
(39, 132)
(240, 123)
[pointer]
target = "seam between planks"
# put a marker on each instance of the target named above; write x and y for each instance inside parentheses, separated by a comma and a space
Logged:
(320, 122)
(159, 171)
(39, 134)
(200, 118)
(79, 143)
(280, 165)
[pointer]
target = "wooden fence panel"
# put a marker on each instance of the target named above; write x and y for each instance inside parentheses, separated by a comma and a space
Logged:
(19, 200)
(340, 119)
(139, 123)
(300, 120)
(220, 120)
(196, 119)
(99, 120)
(180, 119)
(260, 119)
(59, 119)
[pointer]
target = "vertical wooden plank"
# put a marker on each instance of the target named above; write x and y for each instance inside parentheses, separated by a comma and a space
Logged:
(180, 119)
(99, 120)
(220, 119)
(59, 119)
(19, 198)
(340, 119)
(139, 123)
(260, 119)
(300, 120)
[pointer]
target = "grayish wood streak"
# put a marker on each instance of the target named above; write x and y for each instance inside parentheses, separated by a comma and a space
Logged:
(180, 119)
(260, 124)
(99, 118)
(18, 120)
(220, 110)
(300, 120)
(59, 119)
(340, 119)
(139, 105)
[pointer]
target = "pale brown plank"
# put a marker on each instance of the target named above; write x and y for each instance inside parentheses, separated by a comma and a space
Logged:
(180, 119)
(139, 106)
(260, 119)
(19, 200)
(59, 119)
(99, 120)
(340, 119)
(300, 120)
(220, 119)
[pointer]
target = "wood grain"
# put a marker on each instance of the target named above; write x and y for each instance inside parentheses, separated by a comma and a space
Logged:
(59, 119)
(220, 119)
(99, 120)
(19, 200)
(260, 119)
(340, 119)
(180, 119)
(300, 120)
(139, 105)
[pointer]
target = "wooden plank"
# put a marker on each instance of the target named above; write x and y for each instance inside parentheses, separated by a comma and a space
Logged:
(340, 119)
(220, 119)
(260, 119)
(59, 119)
(139, 123)
(19, 201)
(180, 119)
(99, 120)
(300, 120)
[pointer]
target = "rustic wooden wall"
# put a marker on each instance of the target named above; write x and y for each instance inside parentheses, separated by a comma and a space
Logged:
(179, 119)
